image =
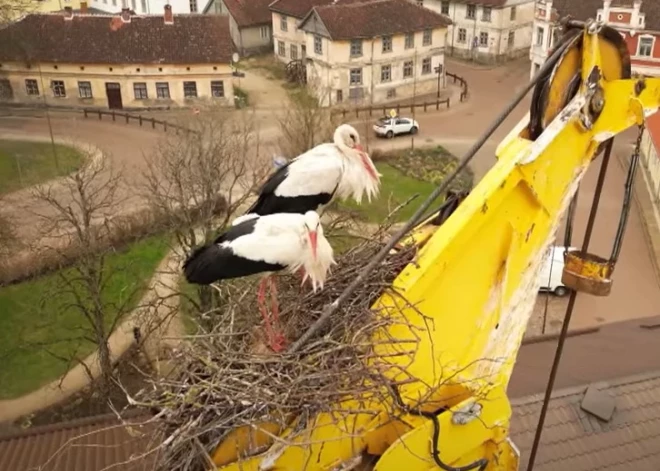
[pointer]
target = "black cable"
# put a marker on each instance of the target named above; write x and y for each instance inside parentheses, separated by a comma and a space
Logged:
(330, 309)
(479, 465)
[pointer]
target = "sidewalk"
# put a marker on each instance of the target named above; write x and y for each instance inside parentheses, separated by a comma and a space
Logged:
(156, 310)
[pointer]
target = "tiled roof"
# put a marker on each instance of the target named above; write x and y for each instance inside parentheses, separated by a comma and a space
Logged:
(248, 13)
(576, 440)
(485, 3)
(95, 39)
(651, 10)
(653, 127)
(91, 444)
(376, 18)
(300, 8)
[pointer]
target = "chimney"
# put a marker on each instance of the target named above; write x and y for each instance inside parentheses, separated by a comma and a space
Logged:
(125, 15)
(68, 13)
(169, 18)
(83, 8)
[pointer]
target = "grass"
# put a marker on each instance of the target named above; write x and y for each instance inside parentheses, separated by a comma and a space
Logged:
(274, 68)
(32, 316)
(407, 173)
(24, 163)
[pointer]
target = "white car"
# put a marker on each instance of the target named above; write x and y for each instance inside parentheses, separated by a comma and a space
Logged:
(390, 127)
(552, 270)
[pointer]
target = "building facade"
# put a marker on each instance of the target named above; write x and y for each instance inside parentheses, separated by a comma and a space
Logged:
(146, 7)
(487, 30)
(637, 21)
(650, 157)
(250, 23)
(365, 61)
(72, 69)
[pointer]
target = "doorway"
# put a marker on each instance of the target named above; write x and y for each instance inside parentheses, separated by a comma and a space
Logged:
(113, 92)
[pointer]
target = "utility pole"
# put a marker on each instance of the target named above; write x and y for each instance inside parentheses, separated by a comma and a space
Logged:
(412, 140)
(438, 70)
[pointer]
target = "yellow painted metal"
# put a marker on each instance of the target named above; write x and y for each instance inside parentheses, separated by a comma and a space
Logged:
(473, 285)
(587, 273)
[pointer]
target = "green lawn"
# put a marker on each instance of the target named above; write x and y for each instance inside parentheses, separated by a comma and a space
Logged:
(32, 313)
(396, 188)
(24, 163)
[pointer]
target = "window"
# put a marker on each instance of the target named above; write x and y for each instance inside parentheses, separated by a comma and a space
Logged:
(140, 91)
(387, 43)
(483, 39)
(114, 3)
(58, 88)
(340, 96)
(427, 39)
(462, 35)
(407, 69)
(303, 51)
(410, 40)
(217, 89)
(444, 8)
(539, 36)
(31, 87)
(281, 49)
(391, 93)
(356, 47)
(486, 14)
(645, 47)
(420, 3)
(599, 17)
(471, 12)
(426, 65)
(385, 73)
(294, 52)
(162, 90)
(355, 93)
(356, 77)
(512, 16)
(264, 32)
(133, 4)
(284, 26)
(143, 4)
(193, 6)
(85, 89)
(318, 45)
(190, 89)
(512, 39)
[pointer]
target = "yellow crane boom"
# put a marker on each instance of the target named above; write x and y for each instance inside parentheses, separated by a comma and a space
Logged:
(472, 289)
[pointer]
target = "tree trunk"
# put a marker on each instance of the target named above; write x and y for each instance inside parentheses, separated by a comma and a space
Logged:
(106, 376)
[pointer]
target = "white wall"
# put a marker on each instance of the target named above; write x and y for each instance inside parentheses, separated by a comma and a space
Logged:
(147, 6)
(498, 29)
(292, 35)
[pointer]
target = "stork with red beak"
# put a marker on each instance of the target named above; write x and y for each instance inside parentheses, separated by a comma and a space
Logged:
(265, 244)
(310, 181)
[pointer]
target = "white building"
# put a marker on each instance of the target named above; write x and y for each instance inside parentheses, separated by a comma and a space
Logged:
(364, 61)
(487, 30)
(149, 6)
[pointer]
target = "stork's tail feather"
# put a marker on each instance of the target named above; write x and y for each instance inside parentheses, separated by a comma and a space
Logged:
(201, 265)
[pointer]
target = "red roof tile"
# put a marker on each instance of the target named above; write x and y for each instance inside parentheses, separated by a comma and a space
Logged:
(576, 440)
(376, 18)
(91, 444)
(248, 13)
(485, 3)
(653, 127)
(95, 39)
(300, 8)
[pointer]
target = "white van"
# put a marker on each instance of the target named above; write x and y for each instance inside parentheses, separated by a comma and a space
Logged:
(552, 270)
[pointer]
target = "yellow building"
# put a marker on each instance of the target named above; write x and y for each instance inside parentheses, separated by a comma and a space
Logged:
(117, 61)
(389, 49)
(46, 6)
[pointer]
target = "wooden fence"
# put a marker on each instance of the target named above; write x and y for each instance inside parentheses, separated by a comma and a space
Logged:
(463, 82)
(142, 121)
(386, 108)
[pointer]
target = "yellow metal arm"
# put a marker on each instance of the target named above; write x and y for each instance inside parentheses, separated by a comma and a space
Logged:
(473, 287)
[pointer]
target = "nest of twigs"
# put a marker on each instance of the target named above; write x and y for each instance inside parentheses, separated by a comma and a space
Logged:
(227, 378)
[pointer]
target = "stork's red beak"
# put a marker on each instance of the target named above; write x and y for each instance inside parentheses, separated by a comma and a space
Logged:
(313, 241)
(359, 147)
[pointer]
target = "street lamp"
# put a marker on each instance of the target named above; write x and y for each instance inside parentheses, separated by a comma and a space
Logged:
(438, 70)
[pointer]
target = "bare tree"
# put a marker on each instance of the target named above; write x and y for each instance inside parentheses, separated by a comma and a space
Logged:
(77, 211)
(8, 240)
(197, 181)
(306, 123)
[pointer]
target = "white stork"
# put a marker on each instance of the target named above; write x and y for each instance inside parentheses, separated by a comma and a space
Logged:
(265, 244)
(310, 181)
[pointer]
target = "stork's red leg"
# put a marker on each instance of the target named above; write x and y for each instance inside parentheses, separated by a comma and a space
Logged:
(278, 341)
(261, 300)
